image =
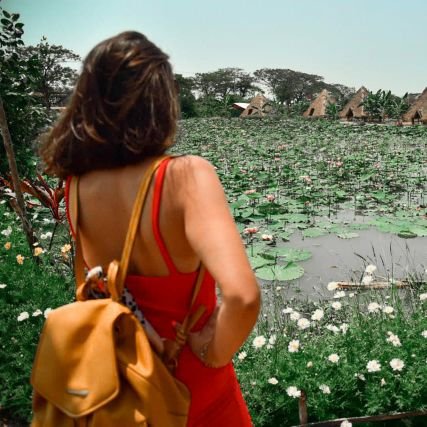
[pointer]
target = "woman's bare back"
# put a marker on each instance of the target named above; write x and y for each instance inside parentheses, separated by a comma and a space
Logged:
(106, 199)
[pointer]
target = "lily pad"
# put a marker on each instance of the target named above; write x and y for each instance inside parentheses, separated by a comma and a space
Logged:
(290, 271)
(258, 261)
(314, 232)
(288, 254)
(406, 234)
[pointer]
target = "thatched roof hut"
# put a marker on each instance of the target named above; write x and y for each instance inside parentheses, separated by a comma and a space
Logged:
(318, 106)
(241, 106)
(353, 109)
(418, 110)
(258, 107)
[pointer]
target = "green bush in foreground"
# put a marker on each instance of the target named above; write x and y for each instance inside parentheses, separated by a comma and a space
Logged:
(27, 293)
(355, 355)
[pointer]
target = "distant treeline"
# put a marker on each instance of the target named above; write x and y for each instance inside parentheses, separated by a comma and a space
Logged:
(213, 93)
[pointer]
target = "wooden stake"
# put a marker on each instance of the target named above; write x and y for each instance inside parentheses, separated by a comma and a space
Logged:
(7, 141)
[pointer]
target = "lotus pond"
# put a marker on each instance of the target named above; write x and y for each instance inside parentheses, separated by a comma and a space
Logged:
(313, 198)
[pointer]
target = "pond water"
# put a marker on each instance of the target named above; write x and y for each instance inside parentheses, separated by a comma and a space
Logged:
(336, 259)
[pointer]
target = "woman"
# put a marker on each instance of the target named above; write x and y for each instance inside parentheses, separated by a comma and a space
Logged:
(121, 117)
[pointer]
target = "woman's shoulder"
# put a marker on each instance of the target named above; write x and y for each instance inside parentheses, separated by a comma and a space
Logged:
(189, 176)
(185, 166)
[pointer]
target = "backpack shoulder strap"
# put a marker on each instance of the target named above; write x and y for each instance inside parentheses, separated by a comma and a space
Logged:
(117, 271)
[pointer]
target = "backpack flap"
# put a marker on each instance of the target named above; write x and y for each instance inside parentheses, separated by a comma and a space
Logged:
(75, 366)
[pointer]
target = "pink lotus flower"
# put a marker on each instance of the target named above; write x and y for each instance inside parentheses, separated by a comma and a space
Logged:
(306, 179)
(270, 197)
(250, 230)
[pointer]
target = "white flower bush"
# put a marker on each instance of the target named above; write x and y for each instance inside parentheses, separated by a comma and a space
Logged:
(273, 381)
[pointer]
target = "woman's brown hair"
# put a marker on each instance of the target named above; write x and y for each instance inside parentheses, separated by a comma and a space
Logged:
(123, 109)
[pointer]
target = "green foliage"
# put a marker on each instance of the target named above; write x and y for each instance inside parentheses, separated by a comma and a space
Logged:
(382, 104)
(18, 75)
(332, 111)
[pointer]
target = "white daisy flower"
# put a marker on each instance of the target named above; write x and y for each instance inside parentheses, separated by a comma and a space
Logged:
(397, 364)
(373, 366)
(336, 305)
(293, 346)
(23, 316)
(242, 355)
(370, 269)
(303, 323)
(373, 307)
(318, 314)
(259, 341)
(332, 286)
(325, 389)
(333, 358)
(292, 391)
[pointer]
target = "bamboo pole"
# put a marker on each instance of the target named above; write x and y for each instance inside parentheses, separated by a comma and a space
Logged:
(385, 417)
(7, 141)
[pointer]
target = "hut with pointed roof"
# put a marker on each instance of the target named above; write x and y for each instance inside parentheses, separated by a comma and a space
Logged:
(259, 106)
(418, 110)
(318, 106)
(353, 109)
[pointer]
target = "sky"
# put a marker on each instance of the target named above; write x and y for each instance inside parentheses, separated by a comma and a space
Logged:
(380, 44)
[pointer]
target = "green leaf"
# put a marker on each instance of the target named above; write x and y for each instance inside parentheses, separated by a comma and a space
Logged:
(290, 271)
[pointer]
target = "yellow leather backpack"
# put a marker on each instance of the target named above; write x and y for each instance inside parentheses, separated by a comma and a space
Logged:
(94, 364)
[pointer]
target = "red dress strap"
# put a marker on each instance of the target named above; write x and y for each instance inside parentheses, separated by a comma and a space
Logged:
(157, 194)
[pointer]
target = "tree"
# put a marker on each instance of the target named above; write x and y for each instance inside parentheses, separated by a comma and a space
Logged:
(55, 80)
(10, 41)
(289, 86)
(398, 107)
(187, 100)
(225, 82)
(376, 105)
(332, 111)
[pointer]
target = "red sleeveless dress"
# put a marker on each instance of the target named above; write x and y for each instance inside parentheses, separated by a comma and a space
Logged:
(216, 398)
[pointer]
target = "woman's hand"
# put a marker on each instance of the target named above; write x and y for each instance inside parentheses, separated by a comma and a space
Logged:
(199, 341)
